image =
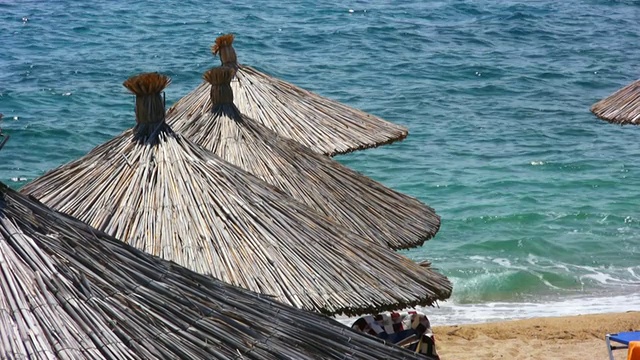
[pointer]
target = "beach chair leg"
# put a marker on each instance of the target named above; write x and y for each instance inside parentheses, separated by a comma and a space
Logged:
(609, 347)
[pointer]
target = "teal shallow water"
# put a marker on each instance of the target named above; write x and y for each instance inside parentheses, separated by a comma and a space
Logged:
(539, 199)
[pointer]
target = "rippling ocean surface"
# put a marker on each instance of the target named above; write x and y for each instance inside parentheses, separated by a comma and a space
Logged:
(539, 199)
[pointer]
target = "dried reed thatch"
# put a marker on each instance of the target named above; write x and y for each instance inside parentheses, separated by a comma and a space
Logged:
(68, 291)
(351, 199)
(326, 126)
(169, 197)
(621, 107)
(3, 137)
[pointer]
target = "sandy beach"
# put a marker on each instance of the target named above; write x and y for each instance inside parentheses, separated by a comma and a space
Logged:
(563, 338)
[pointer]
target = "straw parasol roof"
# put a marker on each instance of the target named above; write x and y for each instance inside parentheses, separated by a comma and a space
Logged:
(68, 291)
(621, 107)
(355, 201)
(167, 196)
(326, 126)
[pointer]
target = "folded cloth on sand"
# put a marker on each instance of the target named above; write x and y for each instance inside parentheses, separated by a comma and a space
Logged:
(634, 350)
(411, 330)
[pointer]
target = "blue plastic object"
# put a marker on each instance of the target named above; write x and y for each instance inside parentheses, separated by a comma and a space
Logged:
(621, 338)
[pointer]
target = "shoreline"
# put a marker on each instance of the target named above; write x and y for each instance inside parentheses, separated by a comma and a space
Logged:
(452, 313)
(561, 337)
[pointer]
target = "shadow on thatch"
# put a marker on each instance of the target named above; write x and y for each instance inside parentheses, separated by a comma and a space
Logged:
(69, 291)
(621, 107)
(355, 201)
(325, 126)
(167, 196)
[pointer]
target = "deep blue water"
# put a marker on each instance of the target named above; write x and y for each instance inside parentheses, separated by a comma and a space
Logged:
(539, 199)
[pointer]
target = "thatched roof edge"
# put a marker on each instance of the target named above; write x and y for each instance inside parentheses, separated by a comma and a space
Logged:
(622, 107)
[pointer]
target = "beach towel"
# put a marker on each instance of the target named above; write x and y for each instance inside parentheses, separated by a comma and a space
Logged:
(634, 350)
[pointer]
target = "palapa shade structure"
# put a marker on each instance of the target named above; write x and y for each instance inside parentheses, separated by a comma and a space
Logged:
(355, 201)
(68, 291)
(621, 107)
(167, 196)
(326, 126)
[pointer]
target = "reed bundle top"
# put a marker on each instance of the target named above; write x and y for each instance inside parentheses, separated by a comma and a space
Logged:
(149, 107)
(224, 48)
(220, 80)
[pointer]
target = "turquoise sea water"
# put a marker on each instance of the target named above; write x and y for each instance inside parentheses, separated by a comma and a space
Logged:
(539, 199)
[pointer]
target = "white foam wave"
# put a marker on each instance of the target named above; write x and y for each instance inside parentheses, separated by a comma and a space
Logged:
(449, 313)
(603, 275)
(503, 262)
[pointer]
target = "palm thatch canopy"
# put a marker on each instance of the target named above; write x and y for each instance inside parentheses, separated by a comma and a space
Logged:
(355, 201)
(68, 291)
(326, 126)
(169, 197)
(621, 107)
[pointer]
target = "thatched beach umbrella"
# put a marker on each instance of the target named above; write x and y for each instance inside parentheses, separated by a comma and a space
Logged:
(68, 291)
(169, 197)
(326, 126)
(353, 200)
(621, 107)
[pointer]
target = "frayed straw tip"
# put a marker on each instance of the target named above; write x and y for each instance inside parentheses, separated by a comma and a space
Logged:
(147, 83)
(222, 41)
(219, 76)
